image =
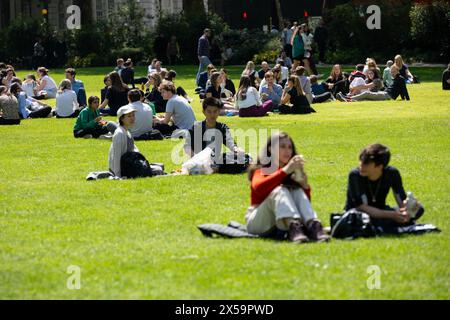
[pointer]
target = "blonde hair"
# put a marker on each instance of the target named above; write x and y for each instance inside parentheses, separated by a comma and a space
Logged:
(398, 61)
(297, 85)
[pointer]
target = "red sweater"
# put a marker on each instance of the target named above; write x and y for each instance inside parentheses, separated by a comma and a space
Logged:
(262, 185)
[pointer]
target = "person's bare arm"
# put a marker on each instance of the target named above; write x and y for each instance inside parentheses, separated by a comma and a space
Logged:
(400, 215)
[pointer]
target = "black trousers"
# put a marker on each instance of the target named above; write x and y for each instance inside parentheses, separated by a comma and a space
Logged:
(322, 97)
(165, 129)
(8, 122)
(284, 109)
(96, 132)
(73, 115)
(41, 113)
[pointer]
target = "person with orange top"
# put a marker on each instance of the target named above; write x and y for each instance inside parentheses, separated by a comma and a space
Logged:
(281, 195)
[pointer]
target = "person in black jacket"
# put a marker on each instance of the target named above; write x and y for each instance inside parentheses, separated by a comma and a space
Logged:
(397, 88)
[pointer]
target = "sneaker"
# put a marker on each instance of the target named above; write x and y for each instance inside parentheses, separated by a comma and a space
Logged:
(107, 136)
(341, 97)
(88, 136)
(316, 232)
(296, 234)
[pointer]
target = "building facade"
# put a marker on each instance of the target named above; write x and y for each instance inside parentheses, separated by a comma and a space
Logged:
(100, 9)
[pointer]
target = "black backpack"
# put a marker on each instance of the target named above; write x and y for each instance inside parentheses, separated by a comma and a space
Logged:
(351, 224)
(134, 165)
(233, 164)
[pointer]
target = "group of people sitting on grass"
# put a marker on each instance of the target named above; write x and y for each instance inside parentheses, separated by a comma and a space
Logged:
(280, 192)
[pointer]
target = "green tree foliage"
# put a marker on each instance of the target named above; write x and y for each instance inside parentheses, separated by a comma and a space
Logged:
(430, 28)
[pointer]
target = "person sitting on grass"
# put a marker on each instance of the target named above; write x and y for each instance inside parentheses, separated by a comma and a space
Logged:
(281, 201)
(29, 107)
(271, 90)
(403, 69)
(153, 95)
(251, 72)
(120, 66)
(122, 141)
(178, 111)
(89, 123)
(77, 86)
(446, 78)
(46, 88)
(319, 91)
(337, 82)
(293, 94)
(171, 75)
(387, 78)
(215, 91)
(248, 100)
(227, 83)
(116, 95)
(142, 127)
(398, 88)
(368, 188)
(28, 85)
(9, 108)
(66, 101)
(304, 82)
(210, 133)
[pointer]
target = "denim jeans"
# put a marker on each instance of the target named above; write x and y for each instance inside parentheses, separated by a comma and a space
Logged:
(203, 63)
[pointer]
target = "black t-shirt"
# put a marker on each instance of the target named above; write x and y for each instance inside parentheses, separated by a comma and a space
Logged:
(445, 77)
(296, 99)
(127, 75)
(156, 98)
(361, 190)
(116, 99)
(403, 72)
(262, 73)
(214, 92)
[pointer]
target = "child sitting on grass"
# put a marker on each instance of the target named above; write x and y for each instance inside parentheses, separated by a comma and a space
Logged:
(369, 185)
(210, 133)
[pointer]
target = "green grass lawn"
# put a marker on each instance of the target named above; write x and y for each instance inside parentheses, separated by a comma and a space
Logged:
(138, 239)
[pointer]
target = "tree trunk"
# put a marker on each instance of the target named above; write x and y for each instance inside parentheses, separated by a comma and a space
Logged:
(279, 14)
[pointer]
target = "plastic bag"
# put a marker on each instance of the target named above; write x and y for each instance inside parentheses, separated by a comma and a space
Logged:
(201, 163)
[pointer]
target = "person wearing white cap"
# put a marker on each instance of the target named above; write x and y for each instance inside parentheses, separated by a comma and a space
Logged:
(122, 141)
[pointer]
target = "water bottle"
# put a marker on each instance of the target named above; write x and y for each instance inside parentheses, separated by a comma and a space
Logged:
(410, 204)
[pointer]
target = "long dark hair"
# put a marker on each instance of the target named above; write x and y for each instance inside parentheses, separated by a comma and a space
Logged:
(244, 84)
(116, 82)
(266, 152)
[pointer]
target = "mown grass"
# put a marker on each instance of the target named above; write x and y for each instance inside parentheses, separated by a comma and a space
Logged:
(138, 239)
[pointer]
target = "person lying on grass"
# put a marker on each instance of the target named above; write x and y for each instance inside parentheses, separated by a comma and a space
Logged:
(369, 185)
(279, 199)
(89, 123)
(210, 133)
(122, 141)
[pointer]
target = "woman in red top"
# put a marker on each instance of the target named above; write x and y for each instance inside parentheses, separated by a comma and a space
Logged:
(279, 198)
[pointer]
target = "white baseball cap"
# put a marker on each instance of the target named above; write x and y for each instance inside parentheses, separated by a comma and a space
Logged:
(125, 110)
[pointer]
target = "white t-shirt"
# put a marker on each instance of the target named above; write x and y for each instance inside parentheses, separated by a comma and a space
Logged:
(252, 99)
(50, 83)
(28, 88)
(358, 81)
(66, 103)
(144, 119)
